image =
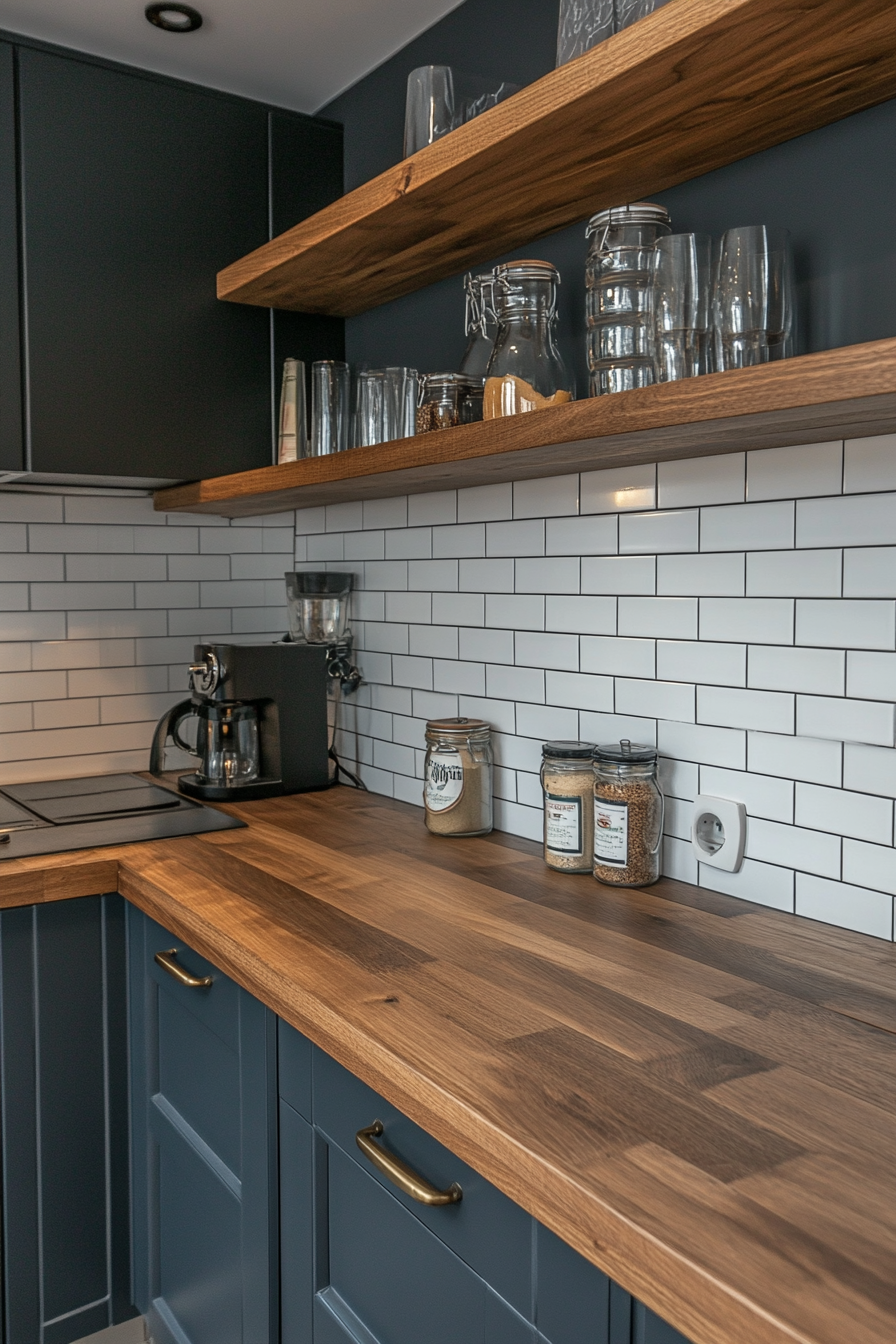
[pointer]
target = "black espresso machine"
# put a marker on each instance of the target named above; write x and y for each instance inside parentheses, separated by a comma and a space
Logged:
(261, 712)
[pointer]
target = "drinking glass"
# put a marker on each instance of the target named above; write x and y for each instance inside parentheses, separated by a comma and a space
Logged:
(429, 109)
(292, 441)
(400, 388)
(583, 23)
(682, 288)
(753, 306)
(329, 407)
(369, 412)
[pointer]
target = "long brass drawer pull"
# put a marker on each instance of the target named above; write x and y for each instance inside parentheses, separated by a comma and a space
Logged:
(400, 1174)
(167, 963)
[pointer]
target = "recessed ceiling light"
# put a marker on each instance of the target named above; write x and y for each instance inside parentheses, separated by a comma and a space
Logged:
(174, 18)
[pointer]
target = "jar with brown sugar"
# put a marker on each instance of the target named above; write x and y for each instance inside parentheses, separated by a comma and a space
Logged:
(457, 777)
(628, 814)
(567, 779)
(526, 370)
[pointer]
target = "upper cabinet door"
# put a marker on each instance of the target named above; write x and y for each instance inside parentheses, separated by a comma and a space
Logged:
(11, 446)
(135, 192)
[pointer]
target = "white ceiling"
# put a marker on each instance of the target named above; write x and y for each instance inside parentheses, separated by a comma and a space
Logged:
(294, 53)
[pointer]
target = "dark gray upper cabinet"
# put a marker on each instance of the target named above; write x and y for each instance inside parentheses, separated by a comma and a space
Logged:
(11, 443)
(135, 191)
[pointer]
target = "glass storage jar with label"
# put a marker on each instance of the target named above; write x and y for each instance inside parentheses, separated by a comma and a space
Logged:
(526, 370)
(567, 780)
(628, 815)
(457, 777)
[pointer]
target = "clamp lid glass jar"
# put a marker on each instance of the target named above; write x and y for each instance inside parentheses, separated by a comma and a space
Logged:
(526, 370)
(457, 777)
(448, 399)
(628, 814)
(567, 780)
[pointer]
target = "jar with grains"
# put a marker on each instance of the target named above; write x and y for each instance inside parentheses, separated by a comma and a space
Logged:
(628, 815)
(567, 778)
(457, 777)
(448, 399)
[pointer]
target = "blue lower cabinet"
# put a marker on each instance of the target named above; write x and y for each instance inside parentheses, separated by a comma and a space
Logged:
(203, 1070)
(648, 1328)
(574, 1302)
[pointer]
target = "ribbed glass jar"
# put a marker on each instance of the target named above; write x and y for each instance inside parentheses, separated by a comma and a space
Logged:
(619, 296)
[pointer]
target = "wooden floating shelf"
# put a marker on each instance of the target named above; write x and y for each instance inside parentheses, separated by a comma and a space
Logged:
(850, 392)
(696, 85)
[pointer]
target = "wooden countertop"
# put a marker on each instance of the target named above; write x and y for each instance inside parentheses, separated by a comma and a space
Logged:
(697, 1093)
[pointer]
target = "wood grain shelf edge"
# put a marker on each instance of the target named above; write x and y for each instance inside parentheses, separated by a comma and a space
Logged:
(848, 392)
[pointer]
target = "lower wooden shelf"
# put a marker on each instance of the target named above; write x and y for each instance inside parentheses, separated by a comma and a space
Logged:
(848, 392)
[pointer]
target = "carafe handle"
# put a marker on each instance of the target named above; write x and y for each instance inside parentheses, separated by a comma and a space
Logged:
(167, 726)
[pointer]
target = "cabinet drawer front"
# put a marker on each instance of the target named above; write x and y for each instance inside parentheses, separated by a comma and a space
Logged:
(487, 1230)
(294, 1068)
(218, 1006)
(572, 1297)
(402, 1284)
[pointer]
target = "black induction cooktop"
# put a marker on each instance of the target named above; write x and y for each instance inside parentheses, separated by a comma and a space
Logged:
(59, 814)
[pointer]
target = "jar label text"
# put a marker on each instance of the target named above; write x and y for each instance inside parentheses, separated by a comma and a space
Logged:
(611, 833)
(562, 824)
(444, 782)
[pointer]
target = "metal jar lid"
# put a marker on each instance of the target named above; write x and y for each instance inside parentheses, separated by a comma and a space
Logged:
(458, 730)
(440, 382)
(641, 212)
(576, 751)
(509, 271)
(625, 753)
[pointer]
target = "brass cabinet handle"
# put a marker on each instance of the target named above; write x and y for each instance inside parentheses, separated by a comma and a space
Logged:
(167, 963)
(400, 1174)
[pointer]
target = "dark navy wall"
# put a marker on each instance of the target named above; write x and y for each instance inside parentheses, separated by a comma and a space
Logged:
(834, 189)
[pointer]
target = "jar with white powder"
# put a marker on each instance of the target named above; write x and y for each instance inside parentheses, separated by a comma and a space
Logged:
(567, 779)
(457, 777)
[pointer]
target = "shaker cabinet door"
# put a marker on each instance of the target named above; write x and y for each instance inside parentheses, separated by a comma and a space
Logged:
(135, 192)
(204, 1157)
(11, 442)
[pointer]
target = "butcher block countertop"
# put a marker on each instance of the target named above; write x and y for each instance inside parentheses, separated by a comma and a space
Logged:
(696, 1093)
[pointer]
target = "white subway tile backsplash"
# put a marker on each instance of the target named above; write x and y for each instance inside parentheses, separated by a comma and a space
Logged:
(630, 574)
(386, 574)
(485, 576)
(596, 727)
(845, 720)
(679, 779)
(325, 546)
(407, 543)
(363, 546)
(555, 574)
(524, 537)
(702, 744)
(554, 496)
(870, 676)
(413, 672)
(22, 507)
(794, 574)
(700, 575)
(21, 686)
(762, 883)
(658, 617)
(23, 568)
(679, 860)
(547, 722)
(433, 508)
(515, 611)
(593, 535)
(701, 661)
(848, 521)
(618, 489)
(747, 620)
(529, 791)
(762, 795)
(845, 813)
(407, 607)
(798, 472)
(590, 615)
(763, 711)
(870, 865)
(384, 637)
(501, 714)
(869, 769)
(580, 689)
(846, 623)
(436, 705)
(701, 480)
(655, 699)
(458, 678)
(534, 649)
(517, 753)
(431, 576)
(514, 683)
(484, 503)
(369, 606)
(869, 571)
(487, 646)
(620, 657)
(430, 641)
(815, 671)
(461, 540)
(13, 597)
(869, 464)
(348, 517)
(847, 906)
(386, 512)
(458, 608)
(747, 527)
(677, 818)
(793, 846)
(653, 533)
(819, 762)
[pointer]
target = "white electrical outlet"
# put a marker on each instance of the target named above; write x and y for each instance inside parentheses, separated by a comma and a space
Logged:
(718, 832)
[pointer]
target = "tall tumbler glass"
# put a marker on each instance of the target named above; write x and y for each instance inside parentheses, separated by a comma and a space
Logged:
(429, 109)
(329, 407)
(753, 308)
(369, 412)
(400, 389)
(682, 290)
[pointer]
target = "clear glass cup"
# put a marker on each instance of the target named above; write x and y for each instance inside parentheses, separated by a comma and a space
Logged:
(753, 303)
(292, 439)
(369, 407)
(619, 295)
(526, 371)
(582, 24)
(329, 407)
(682, 293)
(429, 107)
(479, 324)
(400, 391)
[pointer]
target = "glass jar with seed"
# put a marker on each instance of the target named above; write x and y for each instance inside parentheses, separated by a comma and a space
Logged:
(457, 775)
(628, 815)
(568, 783)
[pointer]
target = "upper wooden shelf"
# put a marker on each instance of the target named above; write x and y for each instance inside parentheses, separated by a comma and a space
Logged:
(695, 86)
(843, 393)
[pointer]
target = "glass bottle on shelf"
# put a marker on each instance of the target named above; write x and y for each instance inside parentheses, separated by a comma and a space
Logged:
(526, 370)
(479, 324)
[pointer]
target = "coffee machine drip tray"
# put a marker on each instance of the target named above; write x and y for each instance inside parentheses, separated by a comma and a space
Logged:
(58, 814)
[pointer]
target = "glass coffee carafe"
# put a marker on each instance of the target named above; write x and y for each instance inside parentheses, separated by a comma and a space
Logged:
(226, 742)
